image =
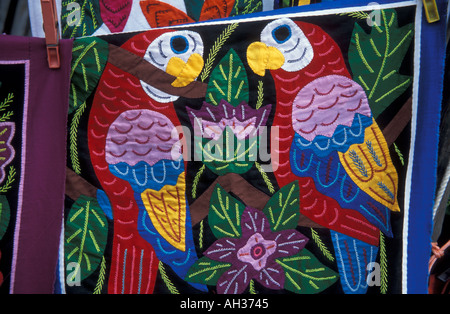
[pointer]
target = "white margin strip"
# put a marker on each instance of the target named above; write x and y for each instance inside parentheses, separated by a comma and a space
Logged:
(244, 19)
(18, 223)
(61, 261)
(415, 95)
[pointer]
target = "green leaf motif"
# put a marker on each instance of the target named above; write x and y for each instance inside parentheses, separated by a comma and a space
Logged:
(101, 277)
(5, 215)
(170, 286)
(80, 18)
(206, 271)
(89, 56)
(384, 265)
(9, 181)
(282, 209)
(375, 60)
(322, 247)
(228, 81)
(9, 100)
(85, 236)
(305, 274)
(225, 214)
(227, 153)
(246, 7)
(218, 44)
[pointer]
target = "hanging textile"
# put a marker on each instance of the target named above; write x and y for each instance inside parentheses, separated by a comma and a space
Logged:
(94, 17)
(33, 119)
(274, 153)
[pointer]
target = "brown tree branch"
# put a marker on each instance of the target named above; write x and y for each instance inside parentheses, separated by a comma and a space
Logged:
(77, 186)
(398, 123)
(250, 196)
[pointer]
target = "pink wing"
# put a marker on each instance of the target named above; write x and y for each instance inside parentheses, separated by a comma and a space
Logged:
(325, 103)
(141, 135)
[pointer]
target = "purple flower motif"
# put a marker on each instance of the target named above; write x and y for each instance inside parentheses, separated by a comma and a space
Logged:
(254, 254)
(211, 120)
(257, 251)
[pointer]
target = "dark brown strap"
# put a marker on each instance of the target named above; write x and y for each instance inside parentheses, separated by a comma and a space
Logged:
(398, 123)
(77, 186)
(250, 196)
(147, 72)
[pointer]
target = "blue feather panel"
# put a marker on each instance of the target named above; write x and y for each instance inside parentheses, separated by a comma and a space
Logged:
(179, 261)
(332, 180)
(354, 262)
(342, 138)
(142, 176)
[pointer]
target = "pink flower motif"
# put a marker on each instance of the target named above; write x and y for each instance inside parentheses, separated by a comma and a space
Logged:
(257, 251)
(254, 254)
(211, 120)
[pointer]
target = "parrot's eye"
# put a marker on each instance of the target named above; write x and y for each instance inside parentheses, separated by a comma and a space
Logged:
(281, 33)
(179, 44)
(287, 36)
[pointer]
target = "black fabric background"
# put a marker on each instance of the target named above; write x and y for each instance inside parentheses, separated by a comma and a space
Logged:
(12, 78)
(340, 28)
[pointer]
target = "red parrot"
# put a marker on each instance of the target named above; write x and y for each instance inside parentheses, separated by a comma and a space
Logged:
(127, 117)
(327, 60)
(329, 142)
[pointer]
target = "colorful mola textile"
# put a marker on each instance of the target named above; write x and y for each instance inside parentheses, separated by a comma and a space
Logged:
(87, 17)
(33, 119)
(277, 154)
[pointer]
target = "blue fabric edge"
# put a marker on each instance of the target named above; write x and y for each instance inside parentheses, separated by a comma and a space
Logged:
(424, 168)
(305, 8)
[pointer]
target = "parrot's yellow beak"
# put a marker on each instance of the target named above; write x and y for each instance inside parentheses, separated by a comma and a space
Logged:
(261, 57)
(185, 72)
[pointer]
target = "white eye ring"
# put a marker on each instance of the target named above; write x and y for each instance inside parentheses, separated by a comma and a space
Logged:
(178, 41)
(277, 32)
(181, 44)
(290, 40)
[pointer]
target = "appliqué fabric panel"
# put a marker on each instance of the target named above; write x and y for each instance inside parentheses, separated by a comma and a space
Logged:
(33, 119)
(98, 17)
(241, 157)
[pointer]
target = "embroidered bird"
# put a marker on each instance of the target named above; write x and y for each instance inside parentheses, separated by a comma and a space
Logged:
(135, 148)
(329, 142)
